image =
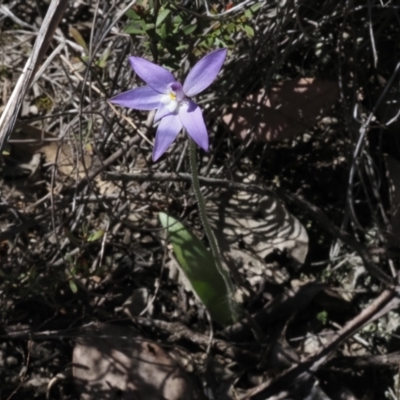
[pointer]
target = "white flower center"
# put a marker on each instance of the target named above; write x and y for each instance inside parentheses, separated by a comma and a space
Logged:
(174, 98)
(170, 101)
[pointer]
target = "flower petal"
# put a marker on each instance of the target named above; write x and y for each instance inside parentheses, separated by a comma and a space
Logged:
(177, 90)
(193, 121)
(204, 72)
(162, 112)
(142, 98)
(167, 131)
(158, 78)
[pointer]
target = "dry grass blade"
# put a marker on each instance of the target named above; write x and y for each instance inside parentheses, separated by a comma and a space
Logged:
(49, 25)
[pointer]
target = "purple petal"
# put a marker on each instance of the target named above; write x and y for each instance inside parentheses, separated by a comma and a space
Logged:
(143, 98)
(204, 72)
(167, 131)
(177, 88)
(158, 78)
(161, 112)
(193, 121)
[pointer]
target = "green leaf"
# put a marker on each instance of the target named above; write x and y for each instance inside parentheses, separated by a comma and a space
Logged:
(249, 30)
(149, 26)
(182, 47)
(95, 236)
(323, 317)
(162, 15)
(133, 28)
(178, 20)
(210, 41)
(78, 38)
(256, 7)
(231, 28)
(102, 63)
(199, 266)
(187, 30)
(132, 14)
(73, 287)
(162, 31)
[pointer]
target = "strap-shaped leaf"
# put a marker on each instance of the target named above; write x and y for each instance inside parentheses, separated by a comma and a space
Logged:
(199, 267)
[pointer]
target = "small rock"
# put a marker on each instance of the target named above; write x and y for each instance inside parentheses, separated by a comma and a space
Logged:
(33, 110)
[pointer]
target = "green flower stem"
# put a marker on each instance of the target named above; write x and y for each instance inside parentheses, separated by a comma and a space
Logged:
(207, 228)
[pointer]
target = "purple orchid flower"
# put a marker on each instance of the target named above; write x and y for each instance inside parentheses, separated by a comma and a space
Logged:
(171, 99)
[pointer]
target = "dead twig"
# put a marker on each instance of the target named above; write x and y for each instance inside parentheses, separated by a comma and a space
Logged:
(302, 374)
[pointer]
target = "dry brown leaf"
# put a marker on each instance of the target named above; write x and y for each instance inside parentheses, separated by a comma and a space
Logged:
(113, 363)
(288, 109)
(262, 225)
(55, 151)
(65, 158)
(69, 162)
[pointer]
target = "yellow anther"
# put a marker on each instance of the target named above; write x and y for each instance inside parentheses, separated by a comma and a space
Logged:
(172, 95)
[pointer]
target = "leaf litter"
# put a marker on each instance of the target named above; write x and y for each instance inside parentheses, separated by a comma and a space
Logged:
(295, 237)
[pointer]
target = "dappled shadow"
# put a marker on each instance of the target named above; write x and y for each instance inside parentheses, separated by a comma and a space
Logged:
(257, 225)
(114, 363)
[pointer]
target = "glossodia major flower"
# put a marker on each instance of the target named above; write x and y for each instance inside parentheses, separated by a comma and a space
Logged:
(171, 99)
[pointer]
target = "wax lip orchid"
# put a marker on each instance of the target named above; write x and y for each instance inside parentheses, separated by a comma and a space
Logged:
(172, 100)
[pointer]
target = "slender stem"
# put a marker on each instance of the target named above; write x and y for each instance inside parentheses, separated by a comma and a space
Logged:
(207, 228)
